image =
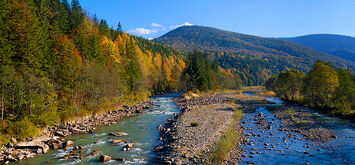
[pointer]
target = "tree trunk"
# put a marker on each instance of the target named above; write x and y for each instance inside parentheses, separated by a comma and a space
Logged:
(2, 107)
(2, 103)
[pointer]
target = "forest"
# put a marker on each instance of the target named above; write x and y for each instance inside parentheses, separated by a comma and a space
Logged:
(59, 63)
(324, 88)
(253, 58)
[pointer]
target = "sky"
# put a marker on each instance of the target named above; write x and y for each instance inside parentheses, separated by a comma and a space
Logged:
(265, 18)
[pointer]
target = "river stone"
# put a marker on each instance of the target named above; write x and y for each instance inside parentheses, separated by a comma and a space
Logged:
(118, 159)
(78, 131)
(56, 146)
(95, 152)
(118, 134)
(20, 156)
(69, 143)
(128, 146)
(115, 141)
(35, 144)
(105, 158)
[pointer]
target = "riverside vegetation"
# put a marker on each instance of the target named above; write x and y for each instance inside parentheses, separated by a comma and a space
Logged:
(324, 88)
(58, 63)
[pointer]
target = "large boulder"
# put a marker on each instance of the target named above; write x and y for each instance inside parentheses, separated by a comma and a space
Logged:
(34, 144)
(78, 131)
(105, 158)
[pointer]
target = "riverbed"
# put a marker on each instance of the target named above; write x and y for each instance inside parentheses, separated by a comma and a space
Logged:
(142, 132)
(267, 142)
(271, 145)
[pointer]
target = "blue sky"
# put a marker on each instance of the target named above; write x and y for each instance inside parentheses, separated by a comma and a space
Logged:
(266, 18)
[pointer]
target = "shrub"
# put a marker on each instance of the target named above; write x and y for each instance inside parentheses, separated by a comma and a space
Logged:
(194, 124)
(22, 129)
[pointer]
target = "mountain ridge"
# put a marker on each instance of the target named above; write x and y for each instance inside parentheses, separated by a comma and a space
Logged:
(339, 45)
(254, 58)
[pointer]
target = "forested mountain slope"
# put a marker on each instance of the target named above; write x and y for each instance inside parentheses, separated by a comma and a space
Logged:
(58, 63)
(253, 58)
(338, 45)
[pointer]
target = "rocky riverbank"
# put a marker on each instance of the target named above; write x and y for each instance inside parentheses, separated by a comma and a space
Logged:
(191, 136)
(53, 136)
(301, 120)
(249, 104)
(184, 143)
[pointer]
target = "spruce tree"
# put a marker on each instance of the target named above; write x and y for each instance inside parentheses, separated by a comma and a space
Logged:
(76, 15)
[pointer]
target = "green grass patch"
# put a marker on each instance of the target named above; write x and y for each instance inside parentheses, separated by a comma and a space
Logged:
(291, 112)
(194, 124)
(227, 142)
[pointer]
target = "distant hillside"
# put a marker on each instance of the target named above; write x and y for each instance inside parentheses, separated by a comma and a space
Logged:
(254, 58)
(338, 45)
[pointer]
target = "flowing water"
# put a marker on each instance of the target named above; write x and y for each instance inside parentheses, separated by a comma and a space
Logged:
(271, 146)
(142, 130)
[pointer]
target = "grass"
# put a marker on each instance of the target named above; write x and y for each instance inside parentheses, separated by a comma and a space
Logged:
(266, 93)
(247, 97)
(194, 124)
(291, 112)
(227, 142)
(253, 88)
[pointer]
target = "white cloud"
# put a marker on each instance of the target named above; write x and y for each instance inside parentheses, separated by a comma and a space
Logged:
(156, 25)
(150, 38)
(142, 31)
(185, 24)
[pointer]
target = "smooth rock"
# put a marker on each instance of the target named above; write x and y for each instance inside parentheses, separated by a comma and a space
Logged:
(105, 158)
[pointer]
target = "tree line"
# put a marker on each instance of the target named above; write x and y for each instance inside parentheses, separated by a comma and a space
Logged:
(58, 62)
(324, 88)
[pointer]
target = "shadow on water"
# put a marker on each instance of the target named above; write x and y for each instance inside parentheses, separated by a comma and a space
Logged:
(269, 145)
(142, 130)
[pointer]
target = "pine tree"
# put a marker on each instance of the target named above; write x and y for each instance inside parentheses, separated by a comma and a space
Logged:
(76, 15)
(133, 70)
(7, 36)
(63, 17)
(45, 41)
(27, 28)
(95, 49)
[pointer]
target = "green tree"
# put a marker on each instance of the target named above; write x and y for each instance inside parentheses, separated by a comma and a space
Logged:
(95, 50)
(320, 85)
(289, 85)
(133, 71)
(63, 17)
(76, 15)
(198, 70)
(344, 98)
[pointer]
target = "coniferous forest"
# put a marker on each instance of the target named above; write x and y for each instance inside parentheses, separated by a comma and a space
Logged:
(59, 63)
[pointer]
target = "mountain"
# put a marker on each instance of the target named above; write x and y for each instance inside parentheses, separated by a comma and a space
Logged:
(253, 58)
(338, 45)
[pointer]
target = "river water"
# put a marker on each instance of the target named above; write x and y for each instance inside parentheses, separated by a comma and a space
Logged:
(282, 149)
(142, 132)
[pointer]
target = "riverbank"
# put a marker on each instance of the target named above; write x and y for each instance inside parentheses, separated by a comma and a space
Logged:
(195, 135)
(301, 120)
(192, 133)
(53, 136)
